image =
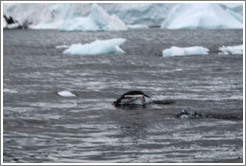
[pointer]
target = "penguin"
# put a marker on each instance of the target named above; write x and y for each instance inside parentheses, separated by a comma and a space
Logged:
(133, 98)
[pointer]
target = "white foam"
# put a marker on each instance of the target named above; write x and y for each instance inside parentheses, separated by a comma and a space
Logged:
(97, 47)
(205, 16)
(231, 49)
(178, 51)
(9, 91)
(66, 93)
(62, 46)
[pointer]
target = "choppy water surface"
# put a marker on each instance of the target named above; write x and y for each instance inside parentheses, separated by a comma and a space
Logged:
(40, 126)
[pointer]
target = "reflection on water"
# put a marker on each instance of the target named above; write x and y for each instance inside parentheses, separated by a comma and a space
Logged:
(41, 126)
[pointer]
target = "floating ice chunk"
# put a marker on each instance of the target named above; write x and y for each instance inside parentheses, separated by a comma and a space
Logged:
(137, 26)
(205, 16)
(9, 91)
(231, 49)
(178, 51)
(62, 46)
(98, 20)
(97, 47)
(66, 93)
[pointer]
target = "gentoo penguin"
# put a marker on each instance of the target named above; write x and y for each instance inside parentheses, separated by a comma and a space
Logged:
(133, 98)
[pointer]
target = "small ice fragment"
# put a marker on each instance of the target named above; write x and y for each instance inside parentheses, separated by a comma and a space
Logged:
(66, 93)
(178, 51)
(231, 49)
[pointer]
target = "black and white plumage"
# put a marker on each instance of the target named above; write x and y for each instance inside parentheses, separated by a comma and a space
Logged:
(133, 98)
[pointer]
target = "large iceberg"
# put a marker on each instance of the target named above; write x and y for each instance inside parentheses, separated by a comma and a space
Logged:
(151, 14)
(231, 49)
(55, 15)
(98, 47)
(178, 51)
(64, 16)
(236, 7)
(44, 15)
(204, 16)
(98, 20)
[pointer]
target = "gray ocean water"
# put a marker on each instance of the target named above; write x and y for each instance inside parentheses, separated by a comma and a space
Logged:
(40, 126)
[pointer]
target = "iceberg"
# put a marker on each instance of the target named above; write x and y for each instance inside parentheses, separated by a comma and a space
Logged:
(98, 47)
(236, 7)
(178, 51)
(200, 16)
(98, 20)
(235, 15)
(231, 50)
(151, 14)
(10, 23)
(62, 15)
(44, 15)
(137, 26)
(66, 93)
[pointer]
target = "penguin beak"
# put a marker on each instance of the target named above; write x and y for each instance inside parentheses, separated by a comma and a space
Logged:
(114, 103)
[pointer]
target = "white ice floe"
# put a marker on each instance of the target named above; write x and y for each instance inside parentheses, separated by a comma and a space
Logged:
(204, 16)
(231, 49)
(98, 20)
(178, 51)
(137, 26)
(66, 93)
(9, 91)
(97, 47)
